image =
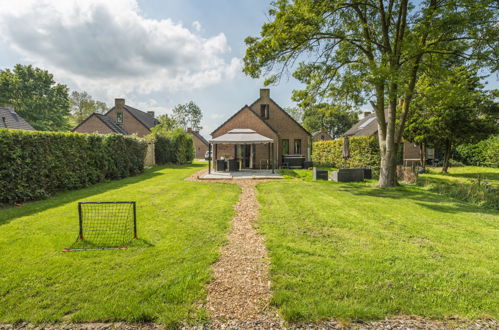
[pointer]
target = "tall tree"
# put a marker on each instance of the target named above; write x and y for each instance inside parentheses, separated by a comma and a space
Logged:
(83, 105)
(166, 124)
(371, 48)
(36, 97)
(188, 115)
(296, 113)
(450, 109)
(333, 119)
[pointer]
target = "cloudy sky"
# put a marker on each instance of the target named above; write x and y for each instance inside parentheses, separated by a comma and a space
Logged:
(153, 53)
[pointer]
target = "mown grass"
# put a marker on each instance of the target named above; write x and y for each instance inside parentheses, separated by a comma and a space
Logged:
(160, 278)
(477, 185)
(353, 251)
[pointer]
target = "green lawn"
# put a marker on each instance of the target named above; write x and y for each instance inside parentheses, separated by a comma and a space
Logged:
(160, 278)
(477, 185)
(465, 173)
(352, 251)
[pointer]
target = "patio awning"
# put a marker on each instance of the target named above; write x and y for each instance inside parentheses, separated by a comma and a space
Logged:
(241, 136)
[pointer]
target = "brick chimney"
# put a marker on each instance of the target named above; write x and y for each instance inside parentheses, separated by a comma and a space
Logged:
(264, 93)
(119, 103)
(367, 113)
(189, 130)
(151, 113)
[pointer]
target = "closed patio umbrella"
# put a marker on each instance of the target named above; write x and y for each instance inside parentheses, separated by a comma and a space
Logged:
(346, 149)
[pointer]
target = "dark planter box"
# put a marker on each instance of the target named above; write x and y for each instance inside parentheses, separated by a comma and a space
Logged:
(308, 164)
(368, 173)
(233, 165)
(294, 161)
(320, 174)
(348, 175)
(220, 165)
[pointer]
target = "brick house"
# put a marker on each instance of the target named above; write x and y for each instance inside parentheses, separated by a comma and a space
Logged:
(368, 126)
(9, 119)
(200, 143)
(266, 118)
(121, 119)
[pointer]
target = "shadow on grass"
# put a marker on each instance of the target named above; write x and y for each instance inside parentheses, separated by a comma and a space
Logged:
(423, 198)
(8, 213)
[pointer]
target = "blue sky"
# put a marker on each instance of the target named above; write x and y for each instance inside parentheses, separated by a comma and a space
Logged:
(153, 53)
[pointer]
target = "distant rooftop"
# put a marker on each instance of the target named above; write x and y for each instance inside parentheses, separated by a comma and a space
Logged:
(11, 120)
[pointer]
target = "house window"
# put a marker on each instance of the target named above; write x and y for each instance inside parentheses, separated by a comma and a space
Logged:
(264, 111)
(119, 117)
(285, 147)
(297, 147)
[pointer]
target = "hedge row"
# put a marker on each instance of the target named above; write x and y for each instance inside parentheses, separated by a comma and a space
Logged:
(483, 153)
(33, 165)
(364, 151)
(174, 147)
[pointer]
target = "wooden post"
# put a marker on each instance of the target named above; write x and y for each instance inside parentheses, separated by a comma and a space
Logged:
(273, 158)
(209, 158)
(269, 157)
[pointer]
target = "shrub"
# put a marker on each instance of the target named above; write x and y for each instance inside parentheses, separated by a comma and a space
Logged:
(364, 151)
(173, 147)
(483, 153)
(33, 165)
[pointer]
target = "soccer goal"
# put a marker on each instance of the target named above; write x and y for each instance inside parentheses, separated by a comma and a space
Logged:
(105, 225)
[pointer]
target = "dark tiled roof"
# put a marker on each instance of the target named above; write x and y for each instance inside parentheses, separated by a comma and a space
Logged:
(10, 119)
(367, 126)
(145, 118)
(111, 124)
(199, 136)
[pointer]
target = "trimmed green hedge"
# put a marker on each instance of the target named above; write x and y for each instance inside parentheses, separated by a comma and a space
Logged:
(33, 165)
(483, 153)
(174, 147)
(364, 151)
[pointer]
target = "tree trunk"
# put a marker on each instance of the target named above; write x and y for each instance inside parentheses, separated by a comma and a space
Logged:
(445, 165)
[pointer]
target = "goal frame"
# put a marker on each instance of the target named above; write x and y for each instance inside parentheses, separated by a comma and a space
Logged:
(80, 215)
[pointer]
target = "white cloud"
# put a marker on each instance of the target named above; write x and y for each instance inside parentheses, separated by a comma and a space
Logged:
(109, 49)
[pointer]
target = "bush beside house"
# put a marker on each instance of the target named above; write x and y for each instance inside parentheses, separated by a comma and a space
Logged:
(33, 165)
(483, 153)
(364, 151)
(173, 147)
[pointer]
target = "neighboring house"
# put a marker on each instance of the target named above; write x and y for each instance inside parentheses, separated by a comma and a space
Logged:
(321, 136)
(368, 126)
(11, 120)
(121, 119)
(268, 119)
(200, 143)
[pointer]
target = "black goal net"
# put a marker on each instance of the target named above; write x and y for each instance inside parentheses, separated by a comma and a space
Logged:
(105, 225)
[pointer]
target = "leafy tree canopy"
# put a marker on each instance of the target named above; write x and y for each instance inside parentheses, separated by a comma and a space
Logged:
(372, 50)
(83, 105)
(166, 124)
(452, 108)
(36, 97)
(188, 115)
(333, 119)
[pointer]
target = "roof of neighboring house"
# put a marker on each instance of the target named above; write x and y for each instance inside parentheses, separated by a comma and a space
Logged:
(10, 119)
(199, 136)
(111, 124)
(367, 126)
(241, 136)
(145, 118)
(318, 133)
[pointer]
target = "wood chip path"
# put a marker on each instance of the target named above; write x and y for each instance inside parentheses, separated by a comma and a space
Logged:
(239, 294)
